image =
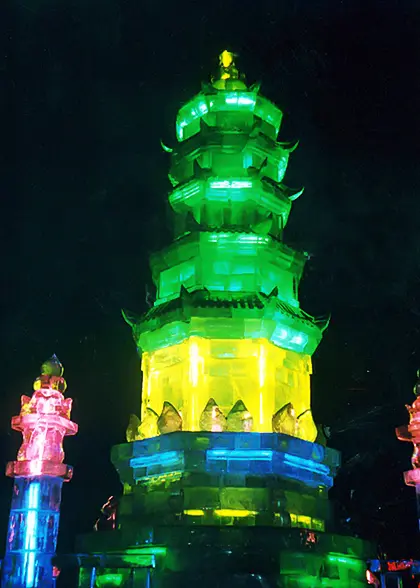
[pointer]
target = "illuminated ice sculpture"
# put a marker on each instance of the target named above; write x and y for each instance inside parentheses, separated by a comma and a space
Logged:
(226, 346)
(39, 472)
(411, 433)
(224, 484)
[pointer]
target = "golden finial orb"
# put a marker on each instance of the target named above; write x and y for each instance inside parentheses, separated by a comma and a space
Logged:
(229, 77)
(227, 66)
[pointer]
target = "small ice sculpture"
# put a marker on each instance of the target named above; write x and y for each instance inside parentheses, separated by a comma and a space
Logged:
(411, 433)
(414, 430)
(212, 419)
(306, 428)
(44, 418)
(132, 430)
(239, 419)
(170, 420)
(149, 424)
(285, 421)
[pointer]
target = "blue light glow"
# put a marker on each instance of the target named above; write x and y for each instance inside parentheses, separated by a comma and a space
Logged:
(239, 454)
(165, 458)
(31, 533)
(242, 454)
(306, 464)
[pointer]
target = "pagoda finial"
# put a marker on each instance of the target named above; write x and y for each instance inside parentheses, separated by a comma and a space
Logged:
(229, 76)
(52, 367)
(227, 66)
(51, 375)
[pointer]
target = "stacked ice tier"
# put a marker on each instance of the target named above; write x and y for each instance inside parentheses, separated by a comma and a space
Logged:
(225, 479)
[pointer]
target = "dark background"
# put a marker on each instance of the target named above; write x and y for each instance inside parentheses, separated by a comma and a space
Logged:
(88, 89)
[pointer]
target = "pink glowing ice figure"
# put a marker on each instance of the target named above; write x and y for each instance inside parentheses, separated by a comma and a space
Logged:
(414, 431)
(44, 421)
(411, 432)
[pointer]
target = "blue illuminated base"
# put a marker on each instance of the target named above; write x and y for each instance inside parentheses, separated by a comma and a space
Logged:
(32, 532)
(258, 454)
(226, 479)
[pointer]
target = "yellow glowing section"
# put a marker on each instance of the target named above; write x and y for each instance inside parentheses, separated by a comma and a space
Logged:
(230, 512)
(296, 520)
(226, 58)
(194, 512)
(306, 522)
(257, 372)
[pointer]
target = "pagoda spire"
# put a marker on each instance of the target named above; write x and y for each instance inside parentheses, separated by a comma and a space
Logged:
(226, 344)
(229, 76)
(223, 482)
(228, 69)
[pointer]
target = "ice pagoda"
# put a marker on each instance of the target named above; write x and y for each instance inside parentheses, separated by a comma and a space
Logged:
(224, 484)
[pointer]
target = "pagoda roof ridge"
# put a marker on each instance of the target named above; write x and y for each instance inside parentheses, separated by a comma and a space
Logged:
(288, 145)
(130, 318)
(199, 228)
(210, 136)
(204, 298)
(296, 311)
(290, 193)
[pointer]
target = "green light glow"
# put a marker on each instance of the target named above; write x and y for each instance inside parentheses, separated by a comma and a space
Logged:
(144, 561)
(147, 550)
(202, 105)
(348, 561)
(105, 580)
(232, 239)
(240, 100)
(186, 192)
(228, 262)
(230, 184)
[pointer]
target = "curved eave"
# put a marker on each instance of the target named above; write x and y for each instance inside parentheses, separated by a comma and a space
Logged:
(279, 321)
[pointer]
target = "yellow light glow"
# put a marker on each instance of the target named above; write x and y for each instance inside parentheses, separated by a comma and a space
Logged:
(194, 512)
(265, 377)
(148, 389)
(262, 365)
(262, 370)
(298, 520)
(228, 512)
(194, 357)
(303, 521)
(226, 58)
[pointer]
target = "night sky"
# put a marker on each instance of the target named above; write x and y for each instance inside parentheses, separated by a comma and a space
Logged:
(88, 90)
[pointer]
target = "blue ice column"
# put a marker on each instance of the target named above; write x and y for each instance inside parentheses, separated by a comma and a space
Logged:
(32, 532)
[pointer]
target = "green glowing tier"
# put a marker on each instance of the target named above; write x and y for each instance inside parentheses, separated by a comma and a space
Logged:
(228, 263)
(175, 557)
(226, 332)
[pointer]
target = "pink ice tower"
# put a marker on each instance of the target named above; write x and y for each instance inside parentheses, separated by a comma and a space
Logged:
(39, 473)
(411, 433)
